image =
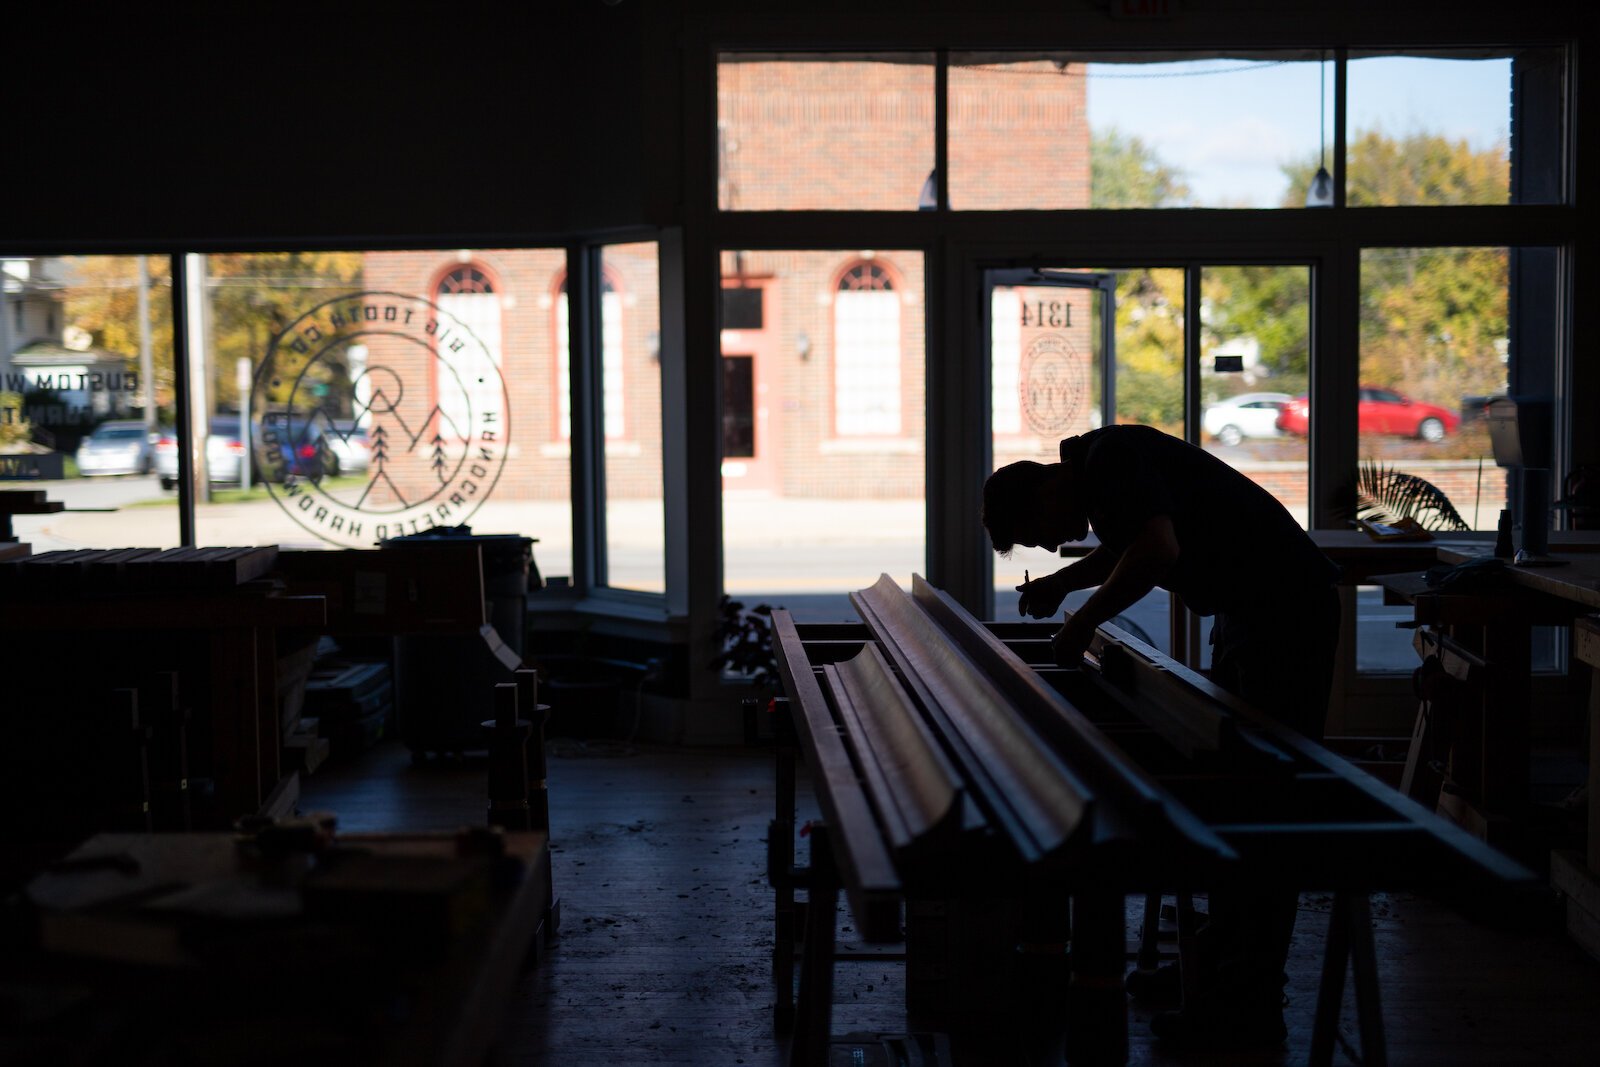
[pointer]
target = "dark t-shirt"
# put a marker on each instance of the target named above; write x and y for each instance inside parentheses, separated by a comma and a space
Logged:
(1238, 548)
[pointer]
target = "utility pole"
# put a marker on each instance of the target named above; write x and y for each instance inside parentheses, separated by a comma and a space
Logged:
(147, 377)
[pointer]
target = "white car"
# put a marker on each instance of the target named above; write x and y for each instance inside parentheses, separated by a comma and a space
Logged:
(224, 450)
(118, 447)
(1246, 415)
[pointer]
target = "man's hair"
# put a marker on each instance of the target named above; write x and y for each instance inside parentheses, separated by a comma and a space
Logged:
(1007, 500)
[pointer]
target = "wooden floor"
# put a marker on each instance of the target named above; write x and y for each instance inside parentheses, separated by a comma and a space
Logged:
(666, 934)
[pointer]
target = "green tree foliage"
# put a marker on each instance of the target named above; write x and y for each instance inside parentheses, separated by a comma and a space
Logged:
(102, 297)
(1434, 321)
(1417, 169)
(250, 298)
(1124, 172)
(1127, 173)
(1150, 348)
(14, 429)
(255, 296)
(1270, 304)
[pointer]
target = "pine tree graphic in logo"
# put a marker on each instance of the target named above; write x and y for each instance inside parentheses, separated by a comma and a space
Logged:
(389, 367)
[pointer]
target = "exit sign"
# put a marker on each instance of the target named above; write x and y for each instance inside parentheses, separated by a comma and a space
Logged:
(1143, 9)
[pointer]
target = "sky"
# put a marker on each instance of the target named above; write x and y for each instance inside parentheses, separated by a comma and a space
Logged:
(1229, 125)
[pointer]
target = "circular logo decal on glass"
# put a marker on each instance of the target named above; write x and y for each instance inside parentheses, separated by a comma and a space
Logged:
(378, 414)
(1053, 381)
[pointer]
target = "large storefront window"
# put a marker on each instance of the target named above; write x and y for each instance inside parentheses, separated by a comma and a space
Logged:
(630, 411)
(1255, 373)
(1065, 130)
(1429, 131)
(343, 398)
(823, 402)
(86, 398)
(370, 413)
(1435, 346)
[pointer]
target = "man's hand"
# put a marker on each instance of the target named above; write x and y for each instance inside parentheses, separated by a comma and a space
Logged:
(1042, 597)
(1071, 642)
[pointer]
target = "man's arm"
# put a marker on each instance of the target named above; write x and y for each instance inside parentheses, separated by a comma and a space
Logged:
(1042, 597)
(1142, 566)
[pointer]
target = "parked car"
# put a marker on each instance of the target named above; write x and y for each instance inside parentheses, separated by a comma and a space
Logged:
(121, 446)
(224, 451)
(350, 446)
(1381, 411)
(1246, 415)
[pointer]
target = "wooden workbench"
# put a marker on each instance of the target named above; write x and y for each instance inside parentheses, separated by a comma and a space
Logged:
(82, 626)
(392, 949)
(954, 764)
(1494, 626)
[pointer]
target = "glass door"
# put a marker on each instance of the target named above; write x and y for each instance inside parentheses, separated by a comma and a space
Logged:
(1074, 349)
(1054, 364)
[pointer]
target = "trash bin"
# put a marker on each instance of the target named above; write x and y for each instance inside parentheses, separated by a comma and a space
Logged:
(444, 682)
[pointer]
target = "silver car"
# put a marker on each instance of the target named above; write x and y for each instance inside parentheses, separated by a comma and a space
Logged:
(116, 447)
(350, 446)
(224, 452)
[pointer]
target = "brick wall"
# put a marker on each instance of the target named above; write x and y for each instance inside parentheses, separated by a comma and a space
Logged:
(1458, 481)
(528, 284)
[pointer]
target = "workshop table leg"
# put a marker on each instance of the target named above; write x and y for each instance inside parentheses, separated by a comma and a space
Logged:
(1188, 950)
(1150, 941)
(1506, 732)
(780, 867)
(1097, 1006)
(813, 1030)
(235, 717)
(1349, 941)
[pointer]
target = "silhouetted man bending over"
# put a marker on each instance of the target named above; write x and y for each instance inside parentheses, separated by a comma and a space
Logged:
(1169, 514)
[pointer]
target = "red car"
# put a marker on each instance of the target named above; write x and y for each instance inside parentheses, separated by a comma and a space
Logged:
(1381, 411)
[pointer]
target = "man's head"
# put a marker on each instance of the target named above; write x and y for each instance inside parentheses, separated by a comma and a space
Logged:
(1033, 505)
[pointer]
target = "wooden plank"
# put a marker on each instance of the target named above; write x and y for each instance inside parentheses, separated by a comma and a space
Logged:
(1029, 791)
(178, 611)
(867, 868)
(424, 588)
(911, 782)
(1111, 771)
(1187, 715)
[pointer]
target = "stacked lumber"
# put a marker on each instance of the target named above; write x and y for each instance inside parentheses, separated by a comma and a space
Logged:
(97, 572)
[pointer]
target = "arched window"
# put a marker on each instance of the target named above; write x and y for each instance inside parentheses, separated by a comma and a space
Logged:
(866, 336)
(468, 294)
(610, 362)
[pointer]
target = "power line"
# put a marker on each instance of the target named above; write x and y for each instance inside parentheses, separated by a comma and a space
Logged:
(1072, 70)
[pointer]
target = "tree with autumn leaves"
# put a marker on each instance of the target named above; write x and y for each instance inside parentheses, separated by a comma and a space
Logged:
(1433, 321)
(250, 298)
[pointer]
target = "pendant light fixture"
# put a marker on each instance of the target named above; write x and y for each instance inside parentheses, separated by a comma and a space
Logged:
(1320, 194)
